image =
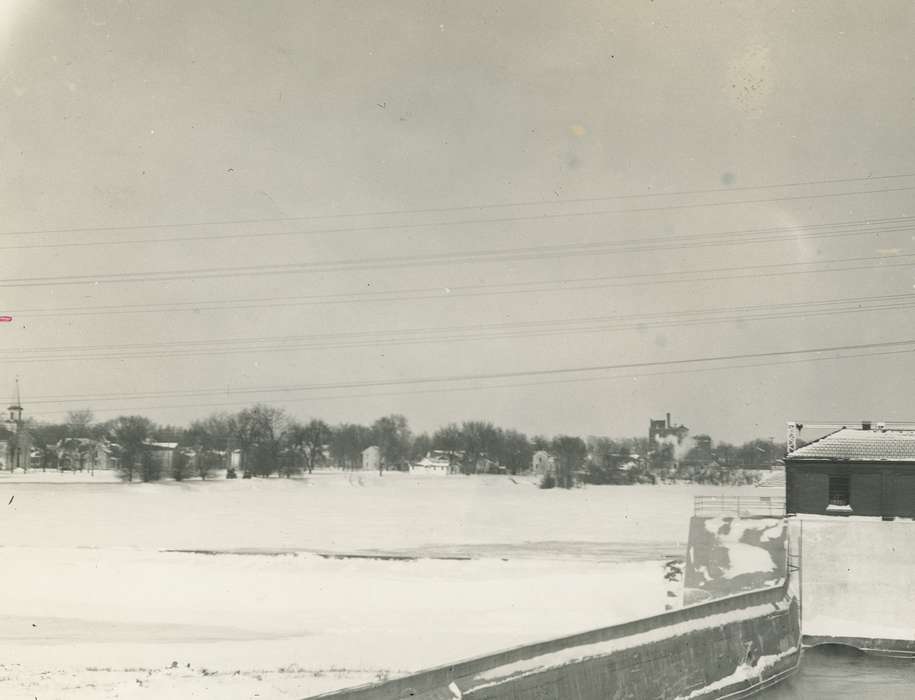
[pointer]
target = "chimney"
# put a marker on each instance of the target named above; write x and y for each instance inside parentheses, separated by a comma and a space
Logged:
(865, 425)
(668, 420)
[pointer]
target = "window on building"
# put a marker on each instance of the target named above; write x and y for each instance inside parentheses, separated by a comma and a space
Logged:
(839, 491)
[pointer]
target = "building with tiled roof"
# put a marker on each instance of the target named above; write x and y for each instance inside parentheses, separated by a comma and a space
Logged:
(860, 445)
(854, 471)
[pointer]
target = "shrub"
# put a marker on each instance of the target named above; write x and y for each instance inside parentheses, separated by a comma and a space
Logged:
(548, 481)
(181, 466)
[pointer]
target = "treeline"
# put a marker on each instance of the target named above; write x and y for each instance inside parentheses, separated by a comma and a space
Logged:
(268, 441)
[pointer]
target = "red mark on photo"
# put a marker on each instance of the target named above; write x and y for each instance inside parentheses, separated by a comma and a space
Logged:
(6, 319)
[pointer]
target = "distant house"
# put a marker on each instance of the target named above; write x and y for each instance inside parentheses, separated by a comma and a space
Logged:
(543, 463)
(371, 458)
(7, 446)
(623, 461)
(162, 453)
(854, 471)
(77, 454)
(435, 462)
(485, 465)
(15, 449)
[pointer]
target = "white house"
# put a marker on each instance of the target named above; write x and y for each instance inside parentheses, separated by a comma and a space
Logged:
(371, 458)
(84, 453)
(543, 463)
(434, 462)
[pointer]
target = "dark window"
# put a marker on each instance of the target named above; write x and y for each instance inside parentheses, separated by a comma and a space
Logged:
(839, 491)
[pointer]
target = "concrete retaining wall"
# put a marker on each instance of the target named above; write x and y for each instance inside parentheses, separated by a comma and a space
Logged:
(729, 555)
(730, 647)
(856, 581)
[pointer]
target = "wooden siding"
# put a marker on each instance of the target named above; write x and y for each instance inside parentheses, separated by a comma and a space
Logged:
(903, 491)
(876, 489)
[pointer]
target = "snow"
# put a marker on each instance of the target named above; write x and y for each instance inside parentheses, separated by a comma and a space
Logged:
(859, 445)
(843, 627)
(745, 558)
(743, 672)
(538, 664)
(833, 508)
(94, 605)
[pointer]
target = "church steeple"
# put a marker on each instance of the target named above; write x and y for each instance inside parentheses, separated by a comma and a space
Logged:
(17, 447)
(15, 408)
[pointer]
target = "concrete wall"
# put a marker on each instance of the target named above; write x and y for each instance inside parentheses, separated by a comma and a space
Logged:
(729, 555)
(729, 647)
(856, 580)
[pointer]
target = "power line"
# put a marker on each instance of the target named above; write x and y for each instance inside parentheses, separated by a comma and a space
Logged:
(442, 224)
(489, 289)
(457, 338)
(439, 391)
(438, 334)
(385, 227)
(829, 424)
(428, 259)
(470, 207)
(910, 343)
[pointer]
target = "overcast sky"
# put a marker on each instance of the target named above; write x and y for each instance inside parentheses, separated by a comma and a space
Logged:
(365, 147)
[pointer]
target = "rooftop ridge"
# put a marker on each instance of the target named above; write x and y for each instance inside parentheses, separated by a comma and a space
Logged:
(860, 445)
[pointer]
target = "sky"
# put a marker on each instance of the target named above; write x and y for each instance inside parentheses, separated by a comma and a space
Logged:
(448, 210)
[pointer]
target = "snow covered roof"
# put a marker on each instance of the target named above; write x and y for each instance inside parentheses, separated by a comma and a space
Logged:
(859, 445)
(161, 445)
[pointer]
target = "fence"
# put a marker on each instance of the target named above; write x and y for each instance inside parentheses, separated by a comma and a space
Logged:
(739, 506)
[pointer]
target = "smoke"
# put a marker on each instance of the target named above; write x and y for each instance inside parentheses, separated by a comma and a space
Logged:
(680, 449)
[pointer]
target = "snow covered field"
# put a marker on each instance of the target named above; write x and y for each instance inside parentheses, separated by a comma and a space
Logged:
(249, 588)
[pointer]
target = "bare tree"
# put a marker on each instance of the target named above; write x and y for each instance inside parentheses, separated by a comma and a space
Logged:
(570, 456)
(312, 439)
(420, 447)
(79, 423)
(448, 440)
(480, 439)
(347, 442)
(258, 430)
(130, 432)
(392, 435)
(181, 466)
(208, 438)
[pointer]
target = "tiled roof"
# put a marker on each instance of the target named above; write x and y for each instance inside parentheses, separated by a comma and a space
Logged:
(857, 445)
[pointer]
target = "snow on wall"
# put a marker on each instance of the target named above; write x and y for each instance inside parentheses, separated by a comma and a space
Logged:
(575, 654)
(746, 671)
(729, 555)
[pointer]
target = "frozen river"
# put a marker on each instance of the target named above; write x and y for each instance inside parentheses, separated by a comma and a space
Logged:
(102, 606)
(286, 588)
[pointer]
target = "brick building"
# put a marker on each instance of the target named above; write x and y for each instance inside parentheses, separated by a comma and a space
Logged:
(854, 471)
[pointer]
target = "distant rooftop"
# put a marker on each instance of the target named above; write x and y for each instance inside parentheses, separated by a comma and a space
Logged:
(860, 445)
(161, 445)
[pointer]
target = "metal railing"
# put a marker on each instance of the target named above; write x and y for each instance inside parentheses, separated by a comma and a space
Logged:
(741, 506)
